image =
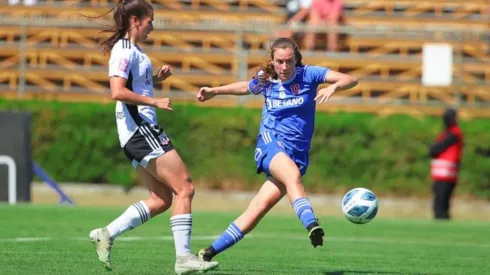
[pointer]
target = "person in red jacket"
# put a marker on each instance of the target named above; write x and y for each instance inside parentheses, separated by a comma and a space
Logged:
(446, 157)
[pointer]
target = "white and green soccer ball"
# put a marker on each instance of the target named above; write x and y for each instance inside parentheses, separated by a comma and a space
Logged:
(360, 205)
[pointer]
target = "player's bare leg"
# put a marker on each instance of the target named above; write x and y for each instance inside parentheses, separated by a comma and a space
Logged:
(159, 201)
(170, 168)
(286, 171)
(269, 195)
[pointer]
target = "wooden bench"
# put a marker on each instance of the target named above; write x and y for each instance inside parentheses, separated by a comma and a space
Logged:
(222, 62)
(188, 16)
(334, 105)
(241, 5)
(415, 22)
(212, 62)
(60, 79)
(454, 8)
(209, 40)
(368, 91)
(405, 46)
(382, 75)
(89, 38)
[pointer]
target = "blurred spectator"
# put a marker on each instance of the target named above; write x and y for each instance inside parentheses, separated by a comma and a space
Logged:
(324, 13)
(446, 157)
(297, 11)
(26, 2)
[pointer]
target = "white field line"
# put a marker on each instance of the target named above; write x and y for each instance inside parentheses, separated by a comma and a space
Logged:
(262, 236)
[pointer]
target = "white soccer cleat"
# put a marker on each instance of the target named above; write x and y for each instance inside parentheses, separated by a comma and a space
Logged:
(191, 264)
(102, 241)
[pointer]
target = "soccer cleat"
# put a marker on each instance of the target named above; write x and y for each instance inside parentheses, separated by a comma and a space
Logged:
(316, 236)
(192, 264)
(102, 241)
(206, 254)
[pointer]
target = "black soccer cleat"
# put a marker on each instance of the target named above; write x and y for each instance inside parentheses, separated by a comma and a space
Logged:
(206, 254)
(316, 236)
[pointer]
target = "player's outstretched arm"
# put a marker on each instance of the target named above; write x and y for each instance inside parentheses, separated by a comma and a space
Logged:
(338, 81)
(237, 88)
(119, 92)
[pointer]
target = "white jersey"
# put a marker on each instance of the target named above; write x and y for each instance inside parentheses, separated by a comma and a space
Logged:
(130, 62)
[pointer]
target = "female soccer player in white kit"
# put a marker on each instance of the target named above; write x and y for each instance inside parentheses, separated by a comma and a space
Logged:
(144, 143)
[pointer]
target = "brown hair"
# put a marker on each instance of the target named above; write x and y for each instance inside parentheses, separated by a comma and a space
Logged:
(280, 43)
(121, 15)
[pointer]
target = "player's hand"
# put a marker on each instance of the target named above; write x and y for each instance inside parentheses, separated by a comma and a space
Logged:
(205, 93)
(324, 94)
(164, 103)
(164, 73)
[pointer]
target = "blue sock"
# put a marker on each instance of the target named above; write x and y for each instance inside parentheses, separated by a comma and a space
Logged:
(231, 236)
(304, 211)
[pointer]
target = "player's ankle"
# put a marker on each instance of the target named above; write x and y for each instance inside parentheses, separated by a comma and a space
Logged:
(312, 225)
(211, 251)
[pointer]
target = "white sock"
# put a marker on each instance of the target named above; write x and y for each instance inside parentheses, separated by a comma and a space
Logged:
(182, 227)
(135, 215)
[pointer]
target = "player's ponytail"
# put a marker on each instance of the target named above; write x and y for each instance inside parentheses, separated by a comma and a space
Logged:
(119, 29)
(267, 73)
(280, 43)
(121, 15)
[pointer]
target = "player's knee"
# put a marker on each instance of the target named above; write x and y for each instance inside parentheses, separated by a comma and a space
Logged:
(158, 205)
(185, 189)
(293, 178)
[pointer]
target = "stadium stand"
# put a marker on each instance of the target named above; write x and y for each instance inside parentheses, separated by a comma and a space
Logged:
(410, 14)
(457, 14)
(67, 59)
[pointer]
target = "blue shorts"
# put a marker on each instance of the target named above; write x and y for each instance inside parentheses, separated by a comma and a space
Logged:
(268, 146)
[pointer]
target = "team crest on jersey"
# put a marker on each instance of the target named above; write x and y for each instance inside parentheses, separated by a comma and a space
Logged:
(123, 64)
(295, 88)
(164, 140)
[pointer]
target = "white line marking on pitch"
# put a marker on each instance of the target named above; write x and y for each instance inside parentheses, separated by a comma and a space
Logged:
(260, 236)
(27, 239)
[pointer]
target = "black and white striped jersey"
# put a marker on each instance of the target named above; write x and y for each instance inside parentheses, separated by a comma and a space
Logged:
(130, 62)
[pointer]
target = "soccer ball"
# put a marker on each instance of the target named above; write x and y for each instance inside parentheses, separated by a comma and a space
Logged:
(360, 205)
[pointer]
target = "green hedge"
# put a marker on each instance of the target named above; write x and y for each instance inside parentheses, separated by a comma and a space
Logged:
(77, 142)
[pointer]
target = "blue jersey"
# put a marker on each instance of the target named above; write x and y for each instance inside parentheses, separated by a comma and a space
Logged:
(289, 108)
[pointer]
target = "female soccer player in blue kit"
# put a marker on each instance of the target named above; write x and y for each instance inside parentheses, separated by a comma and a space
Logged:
(284, 139)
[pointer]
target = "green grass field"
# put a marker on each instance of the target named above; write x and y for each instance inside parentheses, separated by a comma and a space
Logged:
(54, 240)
